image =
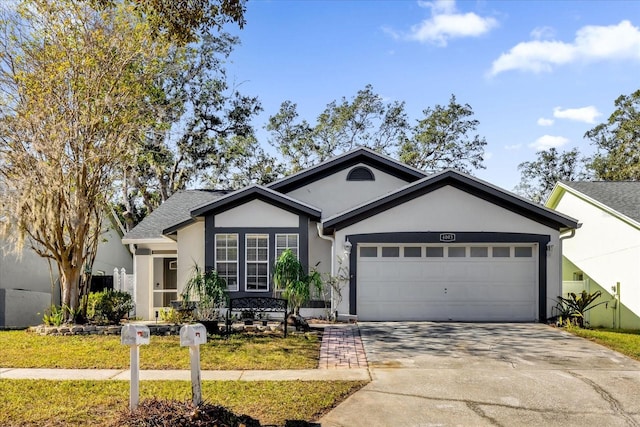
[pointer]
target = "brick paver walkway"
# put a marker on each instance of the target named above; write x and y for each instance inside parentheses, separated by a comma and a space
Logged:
(342, 348)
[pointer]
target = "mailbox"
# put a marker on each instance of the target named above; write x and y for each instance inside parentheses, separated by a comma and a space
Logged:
(192, 335)
(134, 334)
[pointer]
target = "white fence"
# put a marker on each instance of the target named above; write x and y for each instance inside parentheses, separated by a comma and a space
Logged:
(124, 282)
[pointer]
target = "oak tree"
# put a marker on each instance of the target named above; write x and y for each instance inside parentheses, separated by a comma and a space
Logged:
(445, 138)
(538, 177)
(617, 142)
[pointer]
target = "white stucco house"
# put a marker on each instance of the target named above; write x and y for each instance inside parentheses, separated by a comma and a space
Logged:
(26, 288)
(605, 249)
(445, 246)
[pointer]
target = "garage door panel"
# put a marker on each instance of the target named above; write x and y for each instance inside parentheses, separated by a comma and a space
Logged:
(462, 289)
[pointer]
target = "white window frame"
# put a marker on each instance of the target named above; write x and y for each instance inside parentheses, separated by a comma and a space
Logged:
(215, 248)
(247, 262)
(287, 245)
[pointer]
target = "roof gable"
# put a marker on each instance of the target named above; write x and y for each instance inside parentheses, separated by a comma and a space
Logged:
(619, 198)
(351, 158)
(259, 192)
(462, 182)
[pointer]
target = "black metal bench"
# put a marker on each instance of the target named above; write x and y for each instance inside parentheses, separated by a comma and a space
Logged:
(259, 304)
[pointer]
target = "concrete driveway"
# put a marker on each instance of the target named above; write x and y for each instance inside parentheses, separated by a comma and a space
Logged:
(480, 374)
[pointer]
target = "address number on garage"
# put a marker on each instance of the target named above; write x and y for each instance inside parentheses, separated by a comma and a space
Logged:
(447, 237)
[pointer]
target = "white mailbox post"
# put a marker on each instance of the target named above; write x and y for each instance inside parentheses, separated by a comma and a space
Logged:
(193, 336)
(134, 336)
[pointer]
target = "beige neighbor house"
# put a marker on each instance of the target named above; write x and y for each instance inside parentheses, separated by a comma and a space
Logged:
(445, 246)
(26, 290)
(605, 250)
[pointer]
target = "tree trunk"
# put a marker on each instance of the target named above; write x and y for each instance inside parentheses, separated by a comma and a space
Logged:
(69, 282)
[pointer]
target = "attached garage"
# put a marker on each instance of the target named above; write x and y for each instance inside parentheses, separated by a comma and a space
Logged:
(461, 282)
(450, 248)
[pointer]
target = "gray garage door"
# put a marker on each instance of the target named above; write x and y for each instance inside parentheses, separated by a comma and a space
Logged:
(484, 282)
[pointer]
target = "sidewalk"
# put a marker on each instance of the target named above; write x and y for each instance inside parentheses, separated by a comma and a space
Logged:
(341, 359)
(360, 374)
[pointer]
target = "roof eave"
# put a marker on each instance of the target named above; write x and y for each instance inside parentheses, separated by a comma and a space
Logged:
(254, 192)
(147, 240)
(304, 176)
(563, 188)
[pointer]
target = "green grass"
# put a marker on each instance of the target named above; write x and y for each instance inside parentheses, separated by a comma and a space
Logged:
(623, 341)
(98, 403)
(21, 349)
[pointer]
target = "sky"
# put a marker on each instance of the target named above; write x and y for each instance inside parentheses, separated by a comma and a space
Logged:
(537, 74)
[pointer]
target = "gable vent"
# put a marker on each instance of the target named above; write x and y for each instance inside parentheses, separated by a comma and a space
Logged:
(360, 173)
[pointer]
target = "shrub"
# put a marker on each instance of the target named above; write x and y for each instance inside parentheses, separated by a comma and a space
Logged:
(171, 315)
(109, 306)
(53, 316)
(571, 310)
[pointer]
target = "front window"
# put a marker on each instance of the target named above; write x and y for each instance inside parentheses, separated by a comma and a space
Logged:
(286, 241)
(227, 259)
(257, 258)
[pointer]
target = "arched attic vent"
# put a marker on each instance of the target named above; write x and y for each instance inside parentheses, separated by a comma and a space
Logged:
(360, 173)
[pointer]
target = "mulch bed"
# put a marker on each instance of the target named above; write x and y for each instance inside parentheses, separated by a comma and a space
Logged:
(171, 413)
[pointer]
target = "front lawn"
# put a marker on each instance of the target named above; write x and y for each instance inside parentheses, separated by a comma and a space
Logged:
(98, 403)
(21, 349)
(623, 341)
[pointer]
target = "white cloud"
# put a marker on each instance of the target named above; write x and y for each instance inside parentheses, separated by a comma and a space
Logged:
(584, 114)
(545, 122)
(548, 141)
(592, 43)
(540, 33)
(439, 6)
(513, 147)
(445, 24)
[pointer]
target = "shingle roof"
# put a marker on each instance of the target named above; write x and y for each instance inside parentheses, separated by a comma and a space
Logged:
(621, 196)
(175, 210)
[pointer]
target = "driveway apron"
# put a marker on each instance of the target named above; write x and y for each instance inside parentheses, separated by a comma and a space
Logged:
(483, 374)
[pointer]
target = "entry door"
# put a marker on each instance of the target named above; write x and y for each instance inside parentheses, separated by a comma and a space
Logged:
(170, 280)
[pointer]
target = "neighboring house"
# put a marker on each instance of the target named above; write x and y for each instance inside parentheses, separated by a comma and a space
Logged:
(605, 249)
(26, 288)
(415, 247)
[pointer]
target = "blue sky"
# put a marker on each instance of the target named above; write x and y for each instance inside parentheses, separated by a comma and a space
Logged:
(536, 73)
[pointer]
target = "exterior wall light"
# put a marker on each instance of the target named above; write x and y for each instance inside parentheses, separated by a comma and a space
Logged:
(347, 247)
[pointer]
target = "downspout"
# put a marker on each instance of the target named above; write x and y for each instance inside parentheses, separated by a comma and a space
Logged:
(560, 240)
(333, 256)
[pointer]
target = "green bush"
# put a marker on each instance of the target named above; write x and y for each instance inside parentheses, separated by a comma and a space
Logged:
(171, 315)
(53, 316)
(109, 306)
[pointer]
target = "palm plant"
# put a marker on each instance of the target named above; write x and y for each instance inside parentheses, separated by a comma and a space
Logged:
(290, 277)
(209, 288)
(573, 308)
